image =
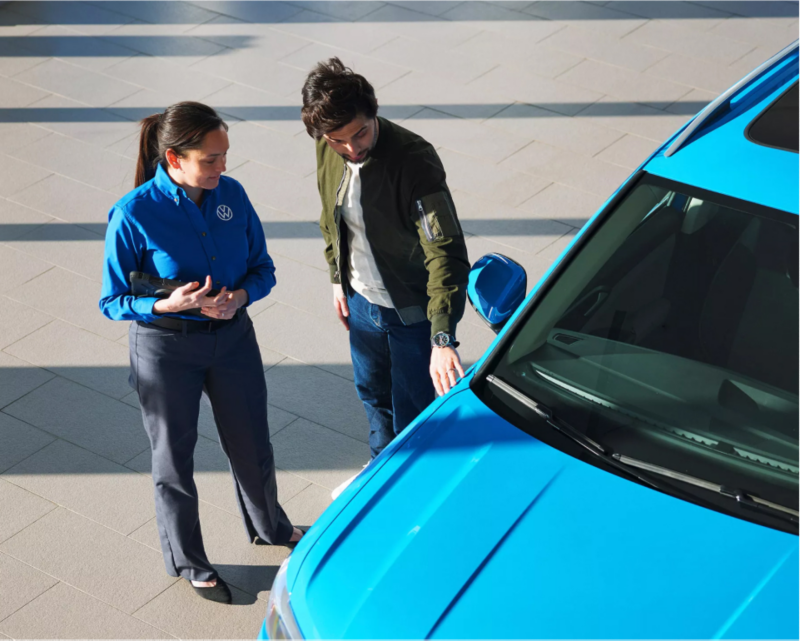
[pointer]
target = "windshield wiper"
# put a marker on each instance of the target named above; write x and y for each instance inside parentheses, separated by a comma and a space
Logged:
(741, 496)
(567, 430)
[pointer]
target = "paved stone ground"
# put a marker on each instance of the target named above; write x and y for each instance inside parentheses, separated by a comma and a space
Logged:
(538, 109)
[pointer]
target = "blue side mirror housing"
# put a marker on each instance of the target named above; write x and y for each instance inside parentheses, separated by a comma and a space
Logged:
(496, 288)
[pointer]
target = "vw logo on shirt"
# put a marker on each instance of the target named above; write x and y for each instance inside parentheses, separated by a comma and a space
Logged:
(224, 212)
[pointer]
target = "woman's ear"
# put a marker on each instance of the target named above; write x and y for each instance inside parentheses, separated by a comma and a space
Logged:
(173, 159)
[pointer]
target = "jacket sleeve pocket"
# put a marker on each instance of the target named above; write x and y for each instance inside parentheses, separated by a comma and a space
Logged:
(437, 216)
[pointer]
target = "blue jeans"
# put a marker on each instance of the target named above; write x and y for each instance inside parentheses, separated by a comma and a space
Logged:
(391, 367)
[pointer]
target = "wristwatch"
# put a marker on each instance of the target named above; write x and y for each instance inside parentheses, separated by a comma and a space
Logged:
(442, 339)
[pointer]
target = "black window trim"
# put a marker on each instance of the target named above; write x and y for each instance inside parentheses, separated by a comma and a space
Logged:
(763, 112)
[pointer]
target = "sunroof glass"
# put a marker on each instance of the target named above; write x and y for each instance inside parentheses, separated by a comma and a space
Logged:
(777, 125)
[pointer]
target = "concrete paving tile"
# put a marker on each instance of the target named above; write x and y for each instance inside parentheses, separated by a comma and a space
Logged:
(599, 46)
(695, 73)
(559, 202)
(87, 484)
(543, 125)
(466, 137)
(78, 355)
(20, 440)
(559, 96)
(225, 30)
(171, 13)
(430, 8)
(17, 220)
(773, 33)
(17, 321)
(79, 16)
(319, 454)
(182, 50)
(213, 477)
(18, 378)
(16, 175)
(573, 170)
(109, 566)
(629, 151)
(256, 308)
(279, 189)
(458, 65)
(20, 508)
(299, 240)
(305, 337)
(56, 41)
(308, 505)
(414, 24)
(521, 53)
(15, 135)
(77, 160)
(295, 155)
(305, 288)
(265, 12)
(71, 247)
(487, 180)
(15, 24)
(147, 102)
(16, 95)
(74, 82)
(20, 584)
(84, 417)
(67, 296)
(18, 268)
(14, 58)
(379, 72)
(684, 11)
(344, 10)
(624, 84)
(69, 200)
(66, 613)
(752, 9)
(328, 30)
(710, 47)
(593, 17)
(182, 613)
(248, 68)
(259, 108)
(165, 76)
(755, 58)
(318, 396)
(492, 16)
(633, 118)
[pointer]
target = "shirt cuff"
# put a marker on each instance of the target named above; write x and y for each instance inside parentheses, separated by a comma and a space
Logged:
(443, 323)
(144, 308)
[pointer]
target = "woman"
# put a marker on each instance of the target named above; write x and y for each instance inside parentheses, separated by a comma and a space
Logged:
(186, 221)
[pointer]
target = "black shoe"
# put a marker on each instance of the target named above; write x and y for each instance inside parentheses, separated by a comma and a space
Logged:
(292, 544)
(219, 593)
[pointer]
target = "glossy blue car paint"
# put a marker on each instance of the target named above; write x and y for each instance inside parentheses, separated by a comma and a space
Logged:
(419, 545)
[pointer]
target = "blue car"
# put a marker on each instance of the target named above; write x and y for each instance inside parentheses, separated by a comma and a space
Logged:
(623, 461)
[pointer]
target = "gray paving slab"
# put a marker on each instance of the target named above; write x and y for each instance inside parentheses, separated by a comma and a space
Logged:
(171, 13)
(81, 17)
(518, 53)
(20, 584)
(590, 16)
(279, 189)
(248, 68)
(304, 287)
(416, 24)
(634, 118)
(557, 200)
(307, 506)
(17, 220)
(182, 613)
(331, 31)
(87, 484)
(319, 454)
(238, 101)
(14, 94)
(342, 9)
(18, 268)
(18, 378)
(629, 151)
(774, 33)
(20, 509)
(16, 175)
(700, 74)
(69, 200)
(15, 135)
(84, 417)
(64, 612)
(20, 441)
(182, 50)
(65, 295)
(109, 566)
(275, 149)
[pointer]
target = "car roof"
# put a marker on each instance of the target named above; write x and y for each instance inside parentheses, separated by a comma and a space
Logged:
(722, 157)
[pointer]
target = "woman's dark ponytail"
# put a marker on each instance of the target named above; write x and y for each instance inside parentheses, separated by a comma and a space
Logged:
(148, 150)
(181, 127)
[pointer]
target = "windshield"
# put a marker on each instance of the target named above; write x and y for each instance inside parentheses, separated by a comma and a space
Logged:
(671, 337)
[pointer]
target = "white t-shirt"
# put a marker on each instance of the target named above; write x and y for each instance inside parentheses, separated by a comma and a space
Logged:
(362, 272)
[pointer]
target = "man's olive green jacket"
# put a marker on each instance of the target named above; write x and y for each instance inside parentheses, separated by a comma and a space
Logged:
(410, 222)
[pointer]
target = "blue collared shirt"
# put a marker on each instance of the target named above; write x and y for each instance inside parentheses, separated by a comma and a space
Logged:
(157, 229)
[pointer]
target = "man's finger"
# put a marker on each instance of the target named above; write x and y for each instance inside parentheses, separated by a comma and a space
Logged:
(345, 308)
(445, 381)
(459, 368)
(451, 375)
(436, 384)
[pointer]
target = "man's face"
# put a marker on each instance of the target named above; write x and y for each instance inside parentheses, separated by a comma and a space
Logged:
(354, 141)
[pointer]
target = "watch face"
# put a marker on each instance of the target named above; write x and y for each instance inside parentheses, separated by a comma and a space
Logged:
(441, 340)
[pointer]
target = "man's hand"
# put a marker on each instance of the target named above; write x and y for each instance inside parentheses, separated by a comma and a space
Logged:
(226, 304)
(190, 296)
(340, 305)
(445, 365)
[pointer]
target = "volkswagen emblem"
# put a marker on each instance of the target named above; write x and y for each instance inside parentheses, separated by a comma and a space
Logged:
(224, 212)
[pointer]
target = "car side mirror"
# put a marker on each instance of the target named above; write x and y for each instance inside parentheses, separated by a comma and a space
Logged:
(496, 288)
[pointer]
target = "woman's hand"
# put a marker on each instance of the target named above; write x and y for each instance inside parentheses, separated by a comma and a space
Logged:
(190, 296)
(226, 304)
(445, 368)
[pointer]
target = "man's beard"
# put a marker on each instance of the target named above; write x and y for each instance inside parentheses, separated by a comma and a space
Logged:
(369, 149)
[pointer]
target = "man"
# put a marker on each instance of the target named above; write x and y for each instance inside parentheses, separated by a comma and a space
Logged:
(396, 251)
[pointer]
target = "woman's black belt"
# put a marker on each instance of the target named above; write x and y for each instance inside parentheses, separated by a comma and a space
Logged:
(190, 326)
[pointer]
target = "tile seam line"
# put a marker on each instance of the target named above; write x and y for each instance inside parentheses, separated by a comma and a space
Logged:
(24, 605)
(6, 540)
(4, 407)
(352, 438)
(22, 338)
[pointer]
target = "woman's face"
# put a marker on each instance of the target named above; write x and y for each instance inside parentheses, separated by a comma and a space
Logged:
(202, 168)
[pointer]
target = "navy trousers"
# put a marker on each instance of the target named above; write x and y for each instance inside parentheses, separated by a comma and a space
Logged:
(170, 370)
(391, 367)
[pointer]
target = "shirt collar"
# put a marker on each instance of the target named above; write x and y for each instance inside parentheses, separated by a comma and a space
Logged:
(165, 184)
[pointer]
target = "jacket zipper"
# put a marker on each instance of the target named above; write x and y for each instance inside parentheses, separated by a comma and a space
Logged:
(336, 219)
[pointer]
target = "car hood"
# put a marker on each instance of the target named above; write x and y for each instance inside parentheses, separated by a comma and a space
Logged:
(474, 529)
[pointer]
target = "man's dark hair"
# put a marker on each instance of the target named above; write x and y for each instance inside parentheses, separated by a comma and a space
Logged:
(333, 96)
